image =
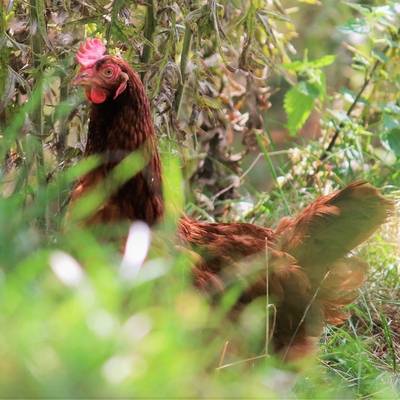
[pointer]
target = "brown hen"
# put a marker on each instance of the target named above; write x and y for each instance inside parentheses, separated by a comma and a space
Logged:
(305, 266)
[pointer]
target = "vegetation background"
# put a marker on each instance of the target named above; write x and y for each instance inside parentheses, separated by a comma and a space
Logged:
(259, 107)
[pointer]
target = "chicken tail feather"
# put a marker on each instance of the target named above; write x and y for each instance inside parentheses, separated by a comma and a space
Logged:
(328, 229)
(319, 239)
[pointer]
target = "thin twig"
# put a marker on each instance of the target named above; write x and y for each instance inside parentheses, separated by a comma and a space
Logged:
(266, 296)
(187, 39)
(272, 170)
(303, 317)
(269, 331)
(232, 364)
(241, 177)
(367, 80)
(223, 353)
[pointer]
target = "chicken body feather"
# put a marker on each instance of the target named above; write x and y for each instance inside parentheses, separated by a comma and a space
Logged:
(305, 268)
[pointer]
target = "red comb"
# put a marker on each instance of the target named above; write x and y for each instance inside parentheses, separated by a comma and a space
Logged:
(90, 52)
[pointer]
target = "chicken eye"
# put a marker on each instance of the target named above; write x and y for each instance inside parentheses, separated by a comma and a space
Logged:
(108, 72)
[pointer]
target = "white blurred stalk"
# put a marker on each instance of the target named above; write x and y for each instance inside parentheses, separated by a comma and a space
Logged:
(137, 246)
(66, 269)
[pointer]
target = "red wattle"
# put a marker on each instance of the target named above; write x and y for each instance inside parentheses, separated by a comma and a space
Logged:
(96, 96)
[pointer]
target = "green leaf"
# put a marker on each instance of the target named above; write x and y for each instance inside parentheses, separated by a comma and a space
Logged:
(115, 9)
(298, 107)
(361, 9)
(379, 55)
(300, 66)
(390, 122)
(356, 25)
(392, 109)
(312, 90)
(393, 140)
(323, 61)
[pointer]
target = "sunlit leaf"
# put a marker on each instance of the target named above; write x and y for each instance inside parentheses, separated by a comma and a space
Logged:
(298, 107)
(317, 64)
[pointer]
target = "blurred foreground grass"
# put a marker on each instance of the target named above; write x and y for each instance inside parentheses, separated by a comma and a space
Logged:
(73, 324)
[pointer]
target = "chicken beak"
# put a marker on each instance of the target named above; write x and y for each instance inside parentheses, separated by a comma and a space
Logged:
(84, 78)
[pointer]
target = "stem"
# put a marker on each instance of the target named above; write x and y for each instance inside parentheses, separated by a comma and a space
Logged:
(272, 169)
(4, 55)
(367, 80)
(267, 327)
(149, 28)
(37, 46)
(62, 137)
(37, 117)
(187, 39)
